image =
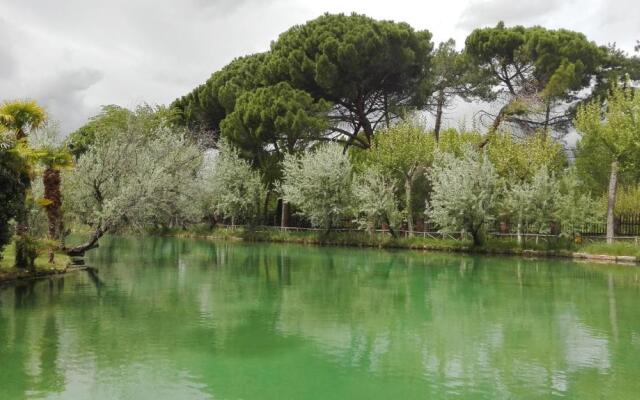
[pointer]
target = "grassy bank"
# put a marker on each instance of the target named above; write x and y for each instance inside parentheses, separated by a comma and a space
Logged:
(507, 246)
(42, 266)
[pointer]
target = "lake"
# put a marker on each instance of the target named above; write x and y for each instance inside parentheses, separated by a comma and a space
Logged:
(187, 319)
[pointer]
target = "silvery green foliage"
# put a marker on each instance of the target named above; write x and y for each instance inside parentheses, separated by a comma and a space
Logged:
(375, 200)
(319, 184)
(575, 209)
(131, 180)
(235, 189)
(532, 205)
(465, 192)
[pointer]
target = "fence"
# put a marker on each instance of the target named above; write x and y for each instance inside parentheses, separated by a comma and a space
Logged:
(624, 225)
(627, 228)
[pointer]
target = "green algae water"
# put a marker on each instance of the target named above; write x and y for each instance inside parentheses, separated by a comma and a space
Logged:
(186, 319)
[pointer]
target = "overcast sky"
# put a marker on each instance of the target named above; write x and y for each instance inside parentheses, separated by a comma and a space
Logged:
(75, 55)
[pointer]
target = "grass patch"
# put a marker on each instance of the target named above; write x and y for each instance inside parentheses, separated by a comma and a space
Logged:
(41, 262)
(614, 249)
(494, 245)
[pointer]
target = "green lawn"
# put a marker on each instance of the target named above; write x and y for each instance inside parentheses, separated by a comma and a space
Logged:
(614, 249)
(42, 262)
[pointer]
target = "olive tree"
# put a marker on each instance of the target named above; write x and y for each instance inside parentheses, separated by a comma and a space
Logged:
(532, 204)
(465, 193)
(235, 190)
(318, 183)
(126, 180)
(374, 195)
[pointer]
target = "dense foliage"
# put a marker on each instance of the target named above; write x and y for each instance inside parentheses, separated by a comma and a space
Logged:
(319, 184)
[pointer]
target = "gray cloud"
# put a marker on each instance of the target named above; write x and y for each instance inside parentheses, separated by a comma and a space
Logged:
(63, 96)
(490, 12)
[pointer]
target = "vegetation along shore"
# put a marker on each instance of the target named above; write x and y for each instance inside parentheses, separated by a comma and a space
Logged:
(341, 125)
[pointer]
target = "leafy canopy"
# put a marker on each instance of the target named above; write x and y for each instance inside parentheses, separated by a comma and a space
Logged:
(537, 67)
(370, 70)
(272, 121)
(318, 183)
(465, 194)
(22, 116)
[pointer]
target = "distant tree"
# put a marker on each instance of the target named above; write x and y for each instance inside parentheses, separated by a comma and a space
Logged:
(618, 134)
(208, 104)
(235, 189)
(465, 193)
(540, 71)
(145, 119)
(318, 183)
(371, 71)
(374, 194)
(404, 152)
(133, 180)
(456, 75)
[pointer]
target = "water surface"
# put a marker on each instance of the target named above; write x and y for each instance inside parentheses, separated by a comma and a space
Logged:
(185, 319)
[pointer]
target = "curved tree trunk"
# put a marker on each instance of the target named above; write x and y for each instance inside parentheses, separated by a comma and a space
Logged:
(611, 201)
(92, 243)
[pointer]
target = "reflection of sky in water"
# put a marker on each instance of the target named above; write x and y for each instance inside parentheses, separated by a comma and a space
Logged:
(584, 347)
(219, 321)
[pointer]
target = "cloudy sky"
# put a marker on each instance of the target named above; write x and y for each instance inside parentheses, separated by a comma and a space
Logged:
(75, 55)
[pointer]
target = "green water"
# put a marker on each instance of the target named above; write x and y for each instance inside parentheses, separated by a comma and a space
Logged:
(181, 319)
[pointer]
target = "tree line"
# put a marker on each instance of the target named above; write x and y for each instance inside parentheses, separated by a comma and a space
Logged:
(327, 124)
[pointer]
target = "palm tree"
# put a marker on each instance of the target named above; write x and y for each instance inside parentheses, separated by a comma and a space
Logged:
(21, 117)
(54, 160)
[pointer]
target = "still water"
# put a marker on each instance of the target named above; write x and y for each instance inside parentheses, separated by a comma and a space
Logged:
(186, 319)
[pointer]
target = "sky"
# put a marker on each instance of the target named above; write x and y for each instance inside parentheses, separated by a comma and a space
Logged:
(73, 56)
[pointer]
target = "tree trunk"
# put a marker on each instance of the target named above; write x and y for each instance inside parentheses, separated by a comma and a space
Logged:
(478, 237)
(519, 233)
(408, 190)
(91, 244)
(51, 182)
(364, 122)
(546, 117)
(611, 201)
(393, 233)
(284, 218)
(439, 110)
(24, 258)
(387, 118)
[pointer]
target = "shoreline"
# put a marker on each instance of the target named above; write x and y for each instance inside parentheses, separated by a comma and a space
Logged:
(435, 247)
(12, 277)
